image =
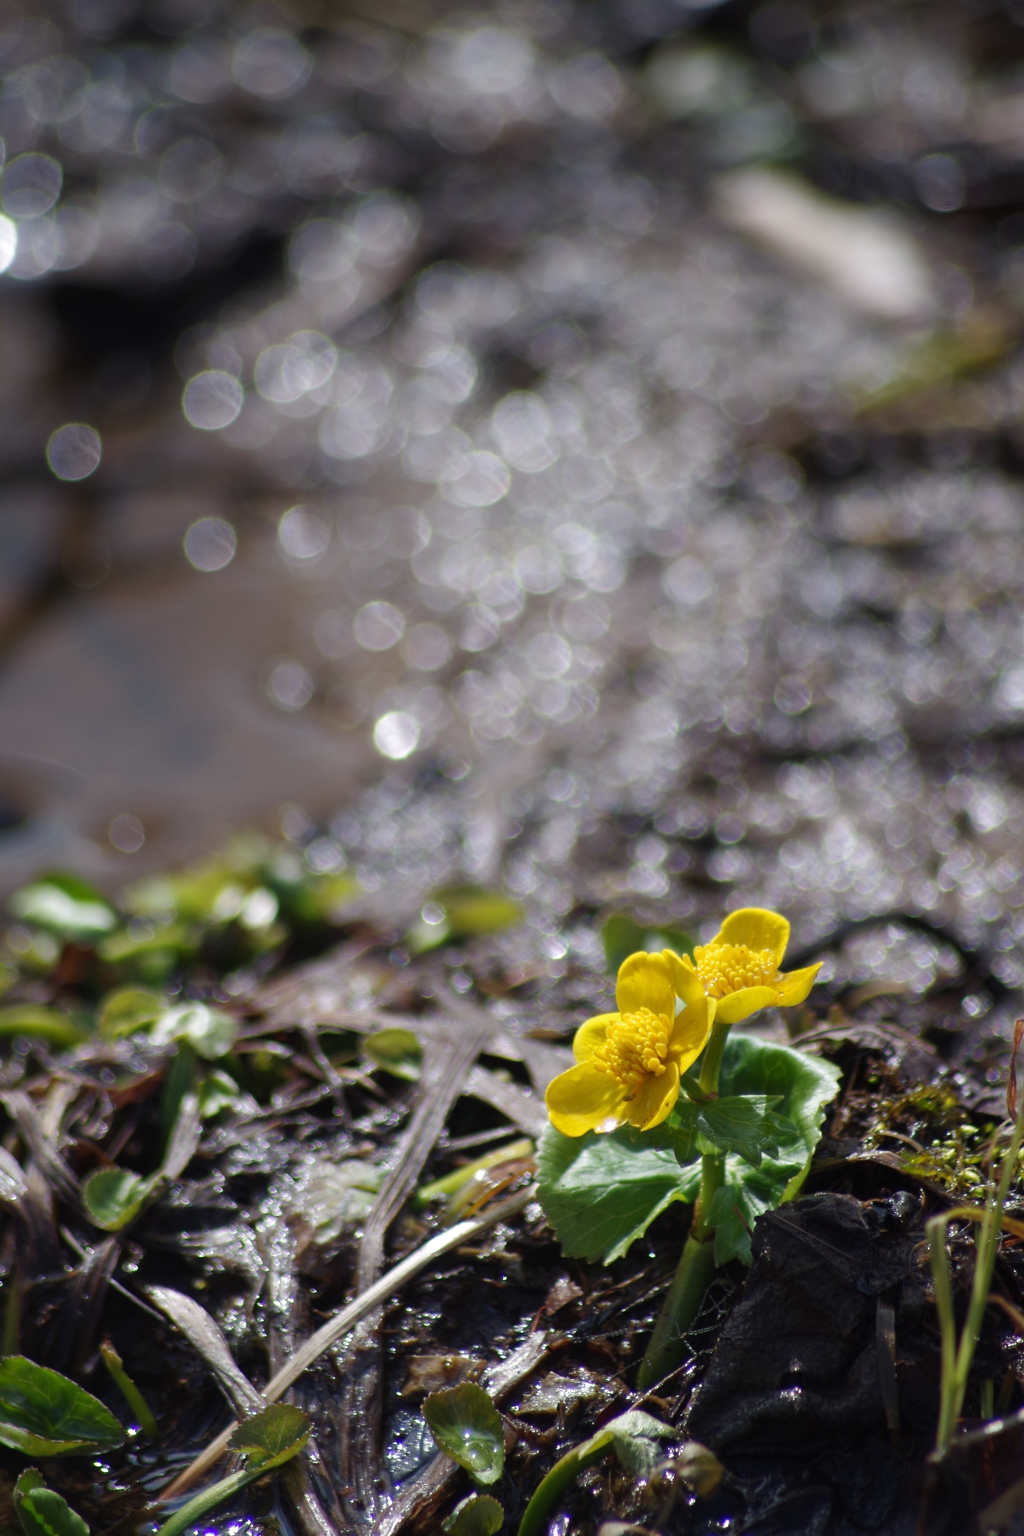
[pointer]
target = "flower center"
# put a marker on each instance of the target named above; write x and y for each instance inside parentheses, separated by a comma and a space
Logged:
(725, 968)
(635, 1047)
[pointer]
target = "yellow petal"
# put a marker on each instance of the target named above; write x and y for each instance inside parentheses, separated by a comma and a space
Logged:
(654, 1099)
(645, 981)
(592, 1034)
(796, 985)
(684, 976)
(582, 1099)
(740, 1005)
(757, 928)
(690, 1032)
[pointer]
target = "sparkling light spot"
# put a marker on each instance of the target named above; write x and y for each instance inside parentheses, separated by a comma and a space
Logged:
(396, 734)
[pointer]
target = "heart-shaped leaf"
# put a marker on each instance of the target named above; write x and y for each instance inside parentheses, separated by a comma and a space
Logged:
(479, 1515)
(114, 1197)
(467, 1427)
(41, 1512)
(600, 1193)
(272, 1437)
(44, 1414)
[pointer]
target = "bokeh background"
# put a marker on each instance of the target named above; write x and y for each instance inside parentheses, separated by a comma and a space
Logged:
(569, 445)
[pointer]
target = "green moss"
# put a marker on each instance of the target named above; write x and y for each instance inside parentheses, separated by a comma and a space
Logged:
(935, 1138)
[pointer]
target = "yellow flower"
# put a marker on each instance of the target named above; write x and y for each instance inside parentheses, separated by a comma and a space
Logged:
(740, 967)
(629, 1063)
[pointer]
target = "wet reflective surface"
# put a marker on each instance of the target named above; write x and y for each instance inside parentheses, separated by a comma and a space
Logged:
(416, 429)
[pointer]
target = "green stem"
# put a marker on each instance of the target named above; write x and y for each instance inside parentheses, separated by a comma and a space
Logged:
(711, 1066)
(957, 1360)
(130, 1392)
(562, 1475)
(947, 1329)
(666, 1346)
(195, 1509)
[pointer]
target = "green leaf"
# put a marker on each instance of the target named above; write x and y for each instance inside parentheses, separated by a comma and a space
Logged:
(210, 1032)
(153, 953)
(743, 1124)
(129, 1009)
(462, 912)
(44, 1414)
(40, 1023)
(479, 1515)
(397, 1051)
(623, 936)
(467, 1427)
(65, 906)
(315, 898)
(215, 1092)
(680, 1133)
(209, 893)
(272, 1437)
(41, 1512)
(600, 1193)
(114, 1197)
(801, 1085)
(633, 1436)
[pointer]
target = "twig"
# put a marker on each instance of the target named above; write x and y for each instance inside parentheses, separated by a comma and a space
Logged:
(374, 1296)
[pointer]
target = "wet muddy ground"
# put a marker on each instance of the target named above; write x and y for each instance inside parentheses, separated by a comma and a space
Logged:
(573, 450)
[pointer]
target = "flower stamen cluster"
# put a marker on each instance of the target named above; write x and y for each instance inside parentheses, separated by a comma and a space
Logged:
(725, 968)
(634, 1048)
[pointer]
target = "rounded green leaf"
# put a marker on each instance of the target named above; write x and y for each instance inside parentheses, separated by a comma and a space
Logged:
(462, 912)
(397, 1051)
(479, 1515)
(468, 1428)
(216, 1092)
(272, 1437)
(600, 1193)
(129, 1009)
(207, 1030)
(41, 1512)
(44, 1414)
(40, 1023)
(66, 906)
(622, 936)
(113, 1196)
